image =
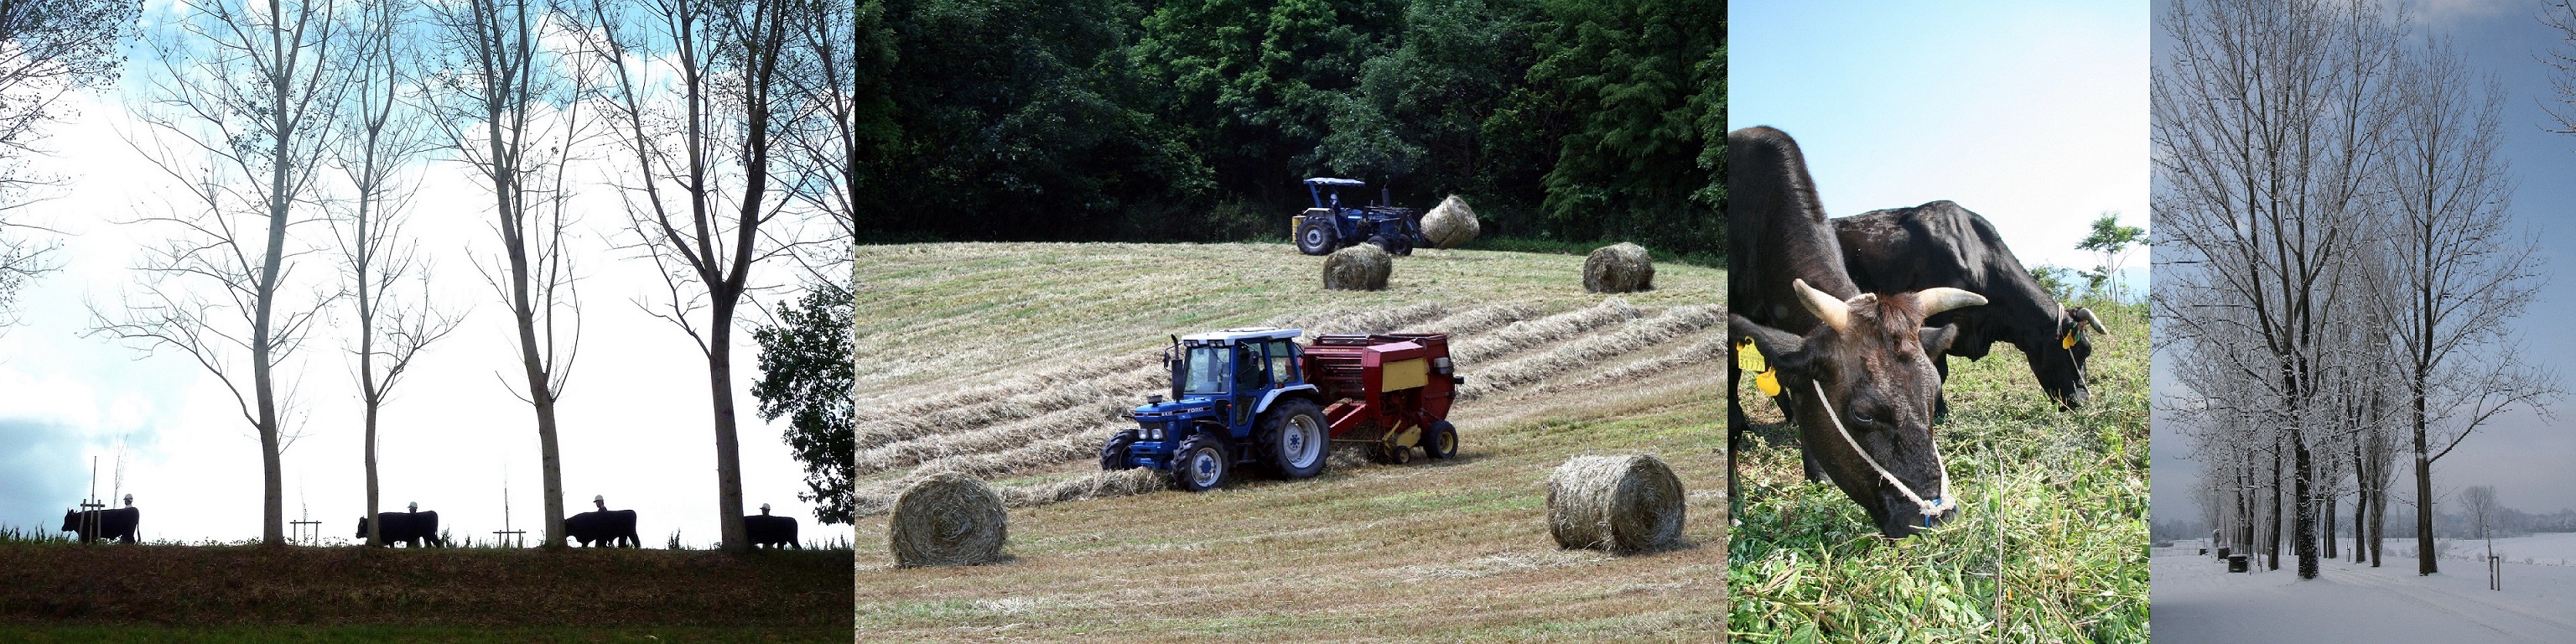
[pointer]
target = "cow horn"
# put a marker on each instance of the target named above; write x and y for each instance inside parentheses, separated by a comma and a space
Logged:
(1938, 299)
(2086, 316)
(1832, 311)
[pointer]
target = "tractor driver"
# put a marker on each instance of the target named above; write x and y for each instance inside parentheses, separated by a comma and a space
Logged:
(1248, 373)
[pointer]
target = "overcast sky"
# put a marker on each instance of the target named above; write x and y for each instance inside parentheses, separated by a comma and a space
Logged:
(2531, 460)
(2032, 114)
(636, 423)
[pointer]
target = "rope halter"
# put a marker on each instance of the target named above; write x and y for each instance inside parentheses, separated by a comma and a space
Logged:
(1931, 509)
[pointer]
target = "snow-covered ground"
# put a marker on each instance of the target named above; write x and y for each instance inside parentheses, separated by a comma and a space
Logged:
(2194, 599)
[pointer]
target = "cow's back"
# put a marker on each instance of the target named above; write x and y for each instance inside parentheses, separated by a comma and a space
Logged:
(1943, 244)
(1776, 232)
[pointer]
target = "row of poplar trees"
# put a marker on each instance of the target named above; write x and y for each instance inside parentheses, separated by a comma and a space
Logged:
(2338, 272)
(726, 126)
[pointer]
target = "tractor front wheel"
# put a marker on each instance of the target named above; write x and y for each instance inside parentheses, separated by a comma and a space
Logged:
(1442, 444)
(1113, 454)
(1200, 464)
(1316, 236)
(1293, 432)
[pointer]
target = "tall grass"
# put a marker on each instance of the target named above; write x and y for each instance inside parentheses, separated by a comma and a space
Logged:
(17, 534)
(2050, 543)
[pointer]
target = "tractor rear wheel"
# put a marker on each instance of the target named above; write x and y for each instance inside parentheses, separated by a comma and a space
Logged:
(1293, 433)
(1442, 443)
(1113, 454)
(1201, 464)
(1316, 237)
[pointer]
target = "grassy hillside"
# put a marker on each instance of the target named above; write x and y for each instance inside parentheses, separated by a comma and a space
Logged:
(1011, 360)
(2049, 545)
(130, 593)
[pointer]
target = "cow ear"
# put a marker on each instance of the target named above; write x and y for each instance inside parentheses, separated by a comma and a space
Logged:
(1784, 352)
(1936, 339)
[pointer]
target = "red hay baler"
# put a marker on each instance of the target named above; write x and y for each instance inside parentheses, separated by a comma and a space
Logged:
(1393, 392)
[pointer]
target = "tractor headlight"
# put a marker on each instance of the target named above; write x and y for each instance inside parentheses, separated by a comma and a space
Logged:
(1150, 431)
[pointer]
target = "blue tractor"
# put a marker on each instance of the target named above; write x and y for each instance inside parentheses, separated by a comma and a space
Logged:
(1257, 397)
(1330, 225)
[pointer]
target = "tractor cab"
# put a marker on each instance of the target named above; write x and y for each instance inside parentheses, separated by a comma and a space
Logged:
(1337, 221)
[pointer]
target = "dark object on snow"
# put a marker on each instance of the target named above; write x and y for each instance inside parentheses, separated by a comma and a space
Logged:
(409, 528)
(616, 528)
(2236, 563)
(92, 525)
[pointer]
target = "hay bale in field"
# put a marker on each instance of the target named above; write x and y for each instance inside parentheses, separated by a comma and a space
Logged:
(1618, 268)
(1622, 504)
(947, 520)
(1361, 267)
(1450, 224)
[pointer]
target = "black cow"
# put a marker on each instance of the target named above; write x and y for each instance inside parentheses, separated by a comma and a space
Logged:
(1866, 353)
(616, 528)
(410, 528)
(772, 531)
(1942, 244)
(93, 525)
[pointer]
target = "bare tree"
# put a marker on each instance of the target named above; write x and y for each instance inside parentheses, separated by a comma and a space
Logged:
(700, 198)
(836, 46)
(252, 92)
(54, 47)
(382, 137)
(2458, 273)
(507, 108)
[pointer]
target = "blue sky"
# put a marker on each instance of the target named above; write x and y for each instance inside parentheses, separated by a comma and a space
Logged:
(2526, 456)
(2033, 114)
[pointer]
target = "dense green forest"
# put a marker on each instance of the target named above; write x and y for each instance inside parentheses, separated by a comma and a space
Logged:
(1572, 121)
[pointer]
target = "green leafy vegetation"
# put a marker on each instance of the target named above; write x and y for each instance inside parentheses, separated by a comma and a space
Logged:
(2049, 544)
(1576, 121)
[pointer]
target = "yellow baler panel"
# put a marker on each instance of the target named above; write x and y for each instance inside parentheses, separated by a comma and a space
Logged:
(1404, 374)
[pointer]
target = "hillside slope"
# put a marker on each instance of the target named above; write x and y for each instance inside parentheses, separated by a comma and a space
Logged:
(1012, 360)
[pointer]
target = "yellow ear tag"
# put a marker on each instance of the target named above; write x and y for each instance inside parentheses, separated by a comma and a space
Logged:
(1749, 358)
(2066, 341)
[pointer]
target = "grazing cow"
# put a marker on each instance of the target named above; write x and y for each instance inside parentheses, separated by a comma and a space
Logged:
(92, 525)
(1854, 367)
(615, 528)
(1942, 244)
(772, 531)
(410, 528)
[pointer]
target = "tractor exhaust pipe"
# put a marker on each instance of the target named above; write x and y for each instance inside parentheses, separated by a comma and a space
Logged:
(1385, 196)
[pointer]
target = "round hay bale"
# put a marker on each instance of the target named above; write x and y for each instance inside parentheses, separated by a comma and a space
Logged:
(1450, 224)
(947, 520)
(1361, 267)
(1623, 504)
(1618, 268)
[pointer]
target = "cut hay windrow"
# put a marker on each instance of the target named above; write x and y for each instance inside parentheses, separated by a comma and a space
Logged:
(1098, 485)
(991, 438)
(1081, 443)
(1708, 351)
(1635, 335)
(1369, 320)
(1012, 399)
(1621, 504)
(1528, 333)
(1476, 320)
(947, 520)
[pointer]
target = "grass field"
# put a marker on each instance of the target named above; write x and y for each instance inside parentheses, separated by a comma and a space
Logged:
(256, 593)
(2051, 540)
(1012, 360)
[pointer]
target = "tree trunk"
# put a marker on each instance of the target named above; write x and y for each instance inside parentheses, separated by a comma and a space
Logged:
(2424, 559)
(728, 452)
(2306, 520)
(262, 343)
(2272, 549)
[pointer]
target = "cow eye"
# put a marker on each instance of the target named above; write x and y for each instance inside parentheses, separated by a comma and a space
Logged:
(1863, 417)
